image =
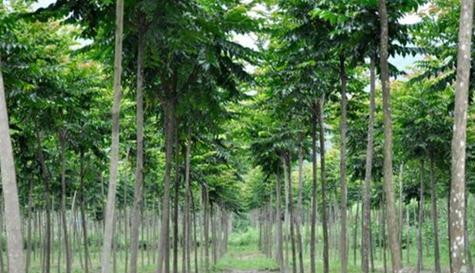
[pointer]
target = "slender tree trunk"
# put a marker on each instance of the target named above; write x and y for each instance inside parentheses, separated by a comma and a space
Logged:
(401, 209)
(457, 198)
(83, 213)
(434, 216)
(175, 204)
(114, 153)
(187, 258)
(343, 184)
(2, 268)
(138, 190)
(355, 232)
(62, 139)
(214, 236)
(286, 218)
(279, 251)
(16, 258)
(320, 114)
(388, 143)
(408, 236)
(366, 247)
(468, 251)
(384, 237)
(29, 232)
(163, 261)
(314, 189)
(195, 237)
(420, 262)
(47, 195)
(288, 174)
(298, 215)
(206, 226)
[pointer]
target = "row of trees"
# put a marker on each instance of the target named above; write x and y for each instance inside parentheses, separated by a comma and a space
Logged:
(317, 48)
(179, 61)
(186, 112)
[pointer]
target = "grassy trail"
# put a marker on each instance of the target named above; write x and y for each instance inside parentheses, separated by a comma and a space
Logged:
(245, 260)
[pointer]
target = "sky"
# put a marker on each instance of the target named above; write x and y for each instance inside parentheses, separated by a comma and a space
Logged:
(250, 40)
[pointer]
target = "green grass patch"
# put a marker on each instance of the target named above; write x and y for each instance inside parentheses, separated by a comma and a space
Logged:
(245, 260)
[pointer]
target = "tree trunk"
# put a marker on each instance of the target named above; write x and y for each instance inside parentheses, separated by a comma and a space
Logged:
(343, 185)
(388, 143)
(138, 190)
(368, 170)
(288, 174)
(314, 189)
(195, 237)
(434, 216)
(321, 117)
(468, 251)
(457, 198)
(420, 261)
(83, 213)
(16, 258)
(299, 213)
(62, 139)
(29, 232)
(47, 196)
(206, 226)
(175, 204)
(286, 217)
(114, 153)
(2, 269)
(187, 230)
(214, 237)
(401, 209)
(279, 251)
(355, 232)
(170, 119)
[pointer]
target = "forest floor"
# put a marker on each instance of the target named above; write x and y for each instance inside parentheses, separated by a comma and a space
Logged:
(245, 260)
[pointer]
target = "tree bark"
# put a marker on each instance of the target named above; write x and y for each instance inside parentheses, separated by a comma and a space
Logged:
(368, 170)
(279, 251)
(401, 209)
(170, 119)
(16, 258)
(62, 140)
(288, 174)
(343, 184)
(434, 216)
(175, 203)
(420, 261)
(206, 226)
(138, 190)
(299, 213)
(83, 213)
(195, 237)
(114, 153)
(457, 198)
(29, 235)
(321, 118)
(47, 195)
(314, 188)
(388, 143)
(187, 229)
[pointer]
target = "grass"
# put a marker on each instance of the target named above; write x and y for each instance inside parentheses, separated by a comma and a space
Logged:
(245, 259)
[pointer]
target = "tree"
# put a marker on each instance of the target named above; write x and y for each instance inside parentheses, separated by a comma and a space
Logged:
(388, 165)
(138, 192)
(16, 258)
(366, 230)
(457, 192)
(114, 160)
